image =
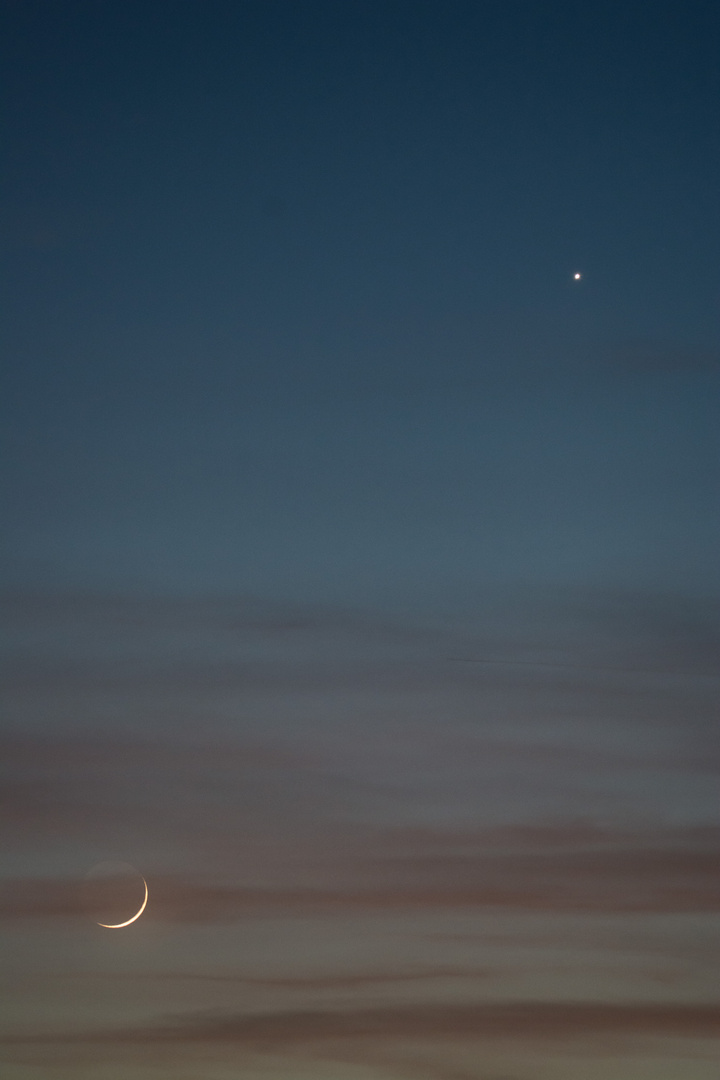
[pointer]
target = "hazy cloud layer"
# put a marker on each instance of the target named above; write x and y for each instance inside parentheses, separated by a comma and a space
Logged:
(650, 880)
(523, 1019)
(395, 814)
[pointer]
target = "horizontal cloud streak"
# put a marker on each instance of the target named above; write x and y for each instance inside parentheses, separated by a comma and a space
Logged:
(538, 1020)
(634, 879)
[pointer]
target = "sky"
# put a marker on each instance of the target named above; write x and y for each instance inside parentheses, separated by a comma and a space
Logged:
(359, 576)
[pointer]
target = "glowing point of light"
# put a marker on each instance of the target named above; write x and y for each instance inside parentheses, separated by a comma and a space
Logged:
(117, 926)
(577, 277)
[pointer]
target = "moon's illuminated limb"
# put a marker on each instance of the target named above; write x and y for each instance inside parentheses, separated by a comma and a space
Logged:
(117, 925)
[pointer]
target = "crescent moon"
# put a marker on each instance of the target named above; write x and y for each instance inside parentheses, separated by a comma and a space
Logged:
(117, 925)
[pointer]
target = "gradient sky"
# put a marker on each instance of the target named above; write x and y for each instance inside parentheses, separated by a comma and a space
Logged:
(359, 571)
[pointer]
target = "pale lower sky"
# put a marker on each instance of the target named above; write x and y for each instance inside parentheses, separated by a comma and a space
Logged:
(390, 827)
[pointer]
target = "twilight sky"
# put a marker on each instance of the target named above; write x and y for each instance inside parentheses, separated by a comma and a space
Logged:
(359, 572)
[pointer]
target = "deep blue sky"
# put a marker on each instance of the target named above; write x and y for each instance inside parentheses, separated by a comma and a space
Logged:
(290, 308)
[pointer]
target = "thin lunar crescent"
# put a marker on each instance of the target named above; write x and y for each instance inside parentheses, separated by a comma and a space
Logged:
(117, 925)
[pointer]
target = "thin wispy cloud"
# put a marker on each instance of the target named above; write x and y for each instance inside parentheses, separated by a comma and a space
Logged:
(537, 1020)
(617, 875)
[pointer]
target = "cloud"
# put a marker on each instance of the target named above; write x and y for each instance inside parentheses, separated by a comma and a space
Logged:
(107, 791)
(555, 871)
(355, 981)
(536, 1020)
(294, 748)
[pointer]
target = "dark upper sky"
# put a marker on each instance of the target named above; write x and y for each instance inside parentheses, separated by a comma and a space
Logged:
(290, 303)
